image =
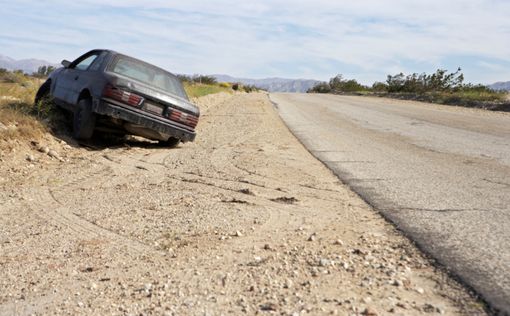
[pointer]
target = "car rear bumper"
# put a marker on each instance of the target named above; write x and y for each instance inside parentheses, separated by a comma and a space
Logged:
(141, 118)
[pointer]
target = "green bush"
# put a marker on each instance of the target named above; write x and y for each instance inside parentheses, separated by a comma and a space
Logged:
(322, 87)
(441, 80)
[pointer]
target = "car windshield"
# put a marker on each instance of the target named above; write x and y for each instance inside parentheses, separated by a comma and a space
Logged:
(148, 74)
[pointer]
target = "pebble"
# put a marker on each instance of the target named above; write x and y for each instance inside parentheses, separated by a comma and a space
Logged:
(44, 149)
(268, 307)
(420, 290)
(397, 283)
(238, 234)
(288, 284)
(312, 237)
(30, 158)
(338, 242)
(367, 300)
(369, 311)
(54, 154)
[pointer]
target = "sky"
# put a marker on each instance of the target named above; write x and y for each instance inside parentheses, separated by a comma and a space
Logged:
(364, 39)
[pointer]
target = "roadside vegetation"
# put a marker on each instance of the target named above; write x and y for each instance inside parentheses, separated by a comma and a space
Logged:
(201, 85)
(440, 87)
(19, 118)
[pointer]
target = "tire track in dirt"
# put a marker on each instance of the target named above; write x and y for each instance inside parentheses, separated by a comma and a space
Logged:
(242, 221)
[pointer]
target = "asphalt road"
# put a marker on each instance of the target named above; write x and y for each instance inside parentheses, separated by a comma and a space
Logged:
(441, 174)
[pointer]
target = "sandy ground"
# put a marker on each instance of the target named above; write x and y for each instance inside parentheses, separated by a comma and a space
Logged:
(243, 221)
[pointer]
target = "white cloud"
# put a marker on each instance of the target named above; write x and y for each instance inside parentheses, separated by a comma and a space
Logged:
(362, 39)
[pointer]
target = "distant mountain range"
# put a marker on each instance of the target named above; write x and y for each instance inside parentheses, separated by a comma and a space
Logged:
(501, 86)
(270, 84)
(26, 65)
(273, 84)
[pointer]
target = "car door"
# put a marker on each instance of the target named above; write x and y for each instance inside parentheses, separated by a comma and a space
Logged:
(87, 75)
(65, 86)
(78, 75)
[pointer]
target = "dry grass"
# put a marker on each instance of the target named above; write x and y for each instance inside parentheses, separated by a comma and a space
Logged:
(195, 90)
(22, 120)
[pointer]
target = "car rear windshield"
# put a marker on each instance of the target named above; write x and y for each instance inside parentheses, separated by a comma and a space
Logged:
(148, 74)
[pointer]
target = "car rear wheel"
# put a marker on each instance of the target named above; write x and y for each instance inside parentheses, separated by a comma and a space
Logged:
(171, 142)
(84, 120)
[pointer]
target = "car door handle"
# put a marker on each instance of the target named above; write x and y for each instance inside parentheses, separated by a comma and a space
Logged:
(76, 78)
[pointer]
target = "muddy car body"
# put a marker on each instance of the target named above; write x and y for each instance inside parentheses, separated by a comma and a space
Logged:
(113, 92)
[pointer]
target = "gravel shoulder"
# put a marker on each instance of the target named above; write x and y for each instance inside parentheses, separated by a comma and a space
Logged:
(243, 221)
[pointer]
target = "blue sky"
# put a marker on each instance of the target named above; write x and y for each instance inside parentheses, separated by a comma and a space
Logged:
(364, 39)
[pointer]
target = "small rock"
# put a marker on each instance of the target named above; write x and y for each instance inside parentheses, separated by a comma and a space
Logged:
(54, 154)
(369, 311)
(269, 307)
(238, 234)
(325, 262)
(80, 304)
(30, 158)
(367, 300)
(44, 149)
(338, 242)
(288, 284)
(420, 290)
(429, 308)
(398, 283)
(312, 237)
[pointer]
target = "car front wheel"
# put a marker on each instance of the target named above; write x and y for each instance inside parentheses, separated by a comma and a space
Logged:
(84, 120)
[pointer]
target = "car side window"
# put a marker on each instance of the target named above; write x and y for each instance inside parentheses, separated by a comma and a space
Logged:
(97, 62)
(84, 64)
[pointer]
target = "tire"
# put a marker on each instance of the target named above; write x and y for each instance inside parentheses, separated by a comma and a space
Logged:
(84, 120)
(172, 142)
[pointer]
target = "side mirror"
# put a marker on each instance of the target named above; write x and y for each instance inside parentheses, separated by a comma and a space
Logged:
(66, 63)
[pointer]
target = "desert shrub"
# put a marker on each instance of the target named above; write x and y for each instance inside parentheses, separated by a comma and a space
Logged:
(340, 85)
(379, 87)
(224, 84)
(250, 88)
(204, 79)
(43, 71)
(235, 86)
(321, 87)
(17, 77)
(184, 78)
(439, 81)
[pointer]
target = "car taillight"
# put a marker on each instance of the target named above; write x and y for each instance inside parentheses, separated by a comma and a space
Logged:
(123, 96)
(184, 118)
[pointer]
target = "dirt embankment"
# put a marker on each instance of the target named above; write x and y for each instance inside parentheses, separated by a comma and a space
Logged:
(243, 221)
